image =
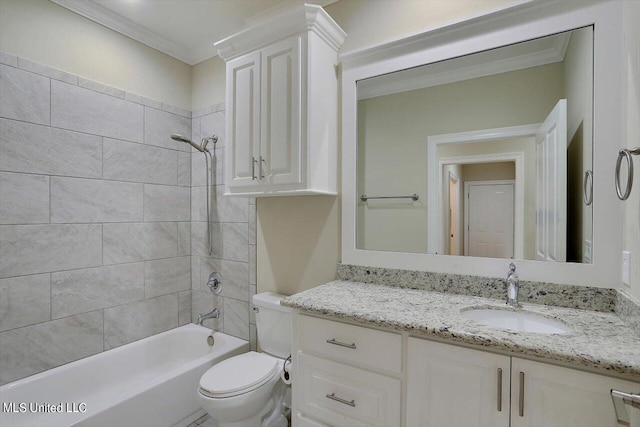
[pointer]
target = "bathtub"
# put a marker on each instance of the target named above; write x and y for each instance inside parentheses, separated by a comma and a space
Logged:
(151, 382)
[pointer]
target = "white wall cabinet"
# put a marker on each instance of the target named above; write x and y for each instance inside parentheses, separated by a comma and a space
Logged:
(282, 105)
(452, 386)
(348, 375)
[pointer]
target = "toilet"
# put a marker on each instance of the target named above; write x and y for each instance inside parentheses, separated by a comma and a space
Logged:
(241, 390)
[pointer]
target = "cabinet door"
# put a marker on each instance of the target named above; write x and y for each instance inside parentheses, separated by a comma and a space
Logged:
(281, 95)
(551, 396)
(450, 386)
(243, 121)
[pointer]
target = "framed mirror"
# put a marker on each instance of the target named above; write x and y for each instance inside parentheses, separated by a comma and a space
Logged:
(497, 120)
(484, 155)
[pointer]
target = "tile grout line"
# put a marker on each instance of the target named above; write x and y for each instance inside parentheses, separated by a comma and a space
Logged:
(50, 297)
(58, 128)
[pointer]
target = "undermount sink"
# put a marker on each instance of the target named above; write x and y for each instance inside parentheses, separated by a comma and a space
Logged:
(520, 321)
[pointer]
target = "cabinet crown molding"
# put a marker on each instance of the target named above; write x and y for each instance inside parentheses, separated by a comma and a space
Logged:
(298, 19)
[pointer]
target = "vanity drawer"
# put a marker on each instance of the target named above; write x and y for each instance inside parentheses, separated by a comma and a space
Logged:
(342, 395)
(354, 344)
(303, 421)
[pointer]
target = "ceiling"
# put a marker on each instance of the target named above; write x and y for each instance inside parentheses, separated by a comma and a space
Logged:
(183, 29)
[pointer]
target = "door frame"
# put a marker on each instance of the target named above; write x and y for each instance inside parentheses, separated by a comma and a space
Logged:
(467, 185)
(435, 166)
(453, 225)
(518, 158)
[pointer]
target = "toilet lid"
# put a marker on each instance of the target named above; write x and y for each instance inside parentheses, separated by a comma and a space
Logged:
(238, 374)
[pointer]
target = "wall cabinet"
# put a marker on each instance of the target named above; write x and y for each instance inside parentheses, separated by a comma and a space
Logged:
(348, 375)
(454, 386)
(282, 104)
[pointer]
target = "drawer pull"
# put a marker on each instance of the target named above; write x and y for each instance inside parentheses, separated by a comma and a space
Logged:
(521, 396)
(341, 344)
(499, 389)
(332, 396)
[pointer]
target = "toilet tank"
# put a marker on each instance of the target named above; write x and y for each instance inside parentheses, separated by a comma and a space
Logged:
(273, 323)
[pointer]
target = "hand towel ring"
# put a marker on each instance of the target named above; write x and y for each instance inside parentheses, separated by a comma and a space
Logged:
(625, 153)
(587, 188)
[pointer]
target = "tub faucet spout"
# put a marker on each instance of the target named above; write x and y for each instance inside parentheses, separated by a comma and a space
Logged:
(513, 286)
(213, 314)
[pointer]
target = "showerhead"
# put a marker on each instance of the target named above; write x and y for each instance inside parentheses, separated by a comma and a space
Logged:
(177, 137)
(181, 138)
(202, 147)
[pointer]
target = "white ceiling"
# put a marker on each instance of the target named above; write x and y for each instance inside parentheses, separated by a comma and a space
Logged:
(184, 29)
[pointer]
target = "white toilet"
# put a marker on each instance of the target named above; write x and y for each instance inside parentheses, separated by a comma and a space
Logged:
(239, 391)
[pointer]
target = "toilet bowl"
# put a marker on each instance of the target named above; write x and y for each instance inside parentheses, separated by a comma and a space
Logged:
(239, 391)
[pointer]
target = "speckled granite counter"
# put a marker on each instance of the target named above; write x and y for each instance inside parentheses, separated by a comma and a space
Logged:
(600, 341)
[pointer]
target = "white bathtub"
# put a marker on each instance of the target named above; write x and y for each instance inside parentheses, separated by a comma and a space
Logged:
(151, 382)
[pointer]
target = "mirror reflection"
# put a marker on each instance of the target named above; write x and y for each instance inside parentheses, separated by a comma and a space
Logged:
(483, 155)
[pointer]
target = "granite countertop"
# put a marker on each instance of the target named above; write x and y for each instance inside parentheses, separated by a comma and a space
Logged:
(599, 341)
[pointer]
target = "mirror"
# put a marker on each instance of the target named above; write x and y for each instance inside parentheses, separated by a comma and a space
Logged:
(483, 155)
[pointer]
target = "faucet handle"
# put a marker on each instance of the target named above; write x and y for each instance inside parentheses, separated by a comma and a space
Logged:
(512, 268)
(214, 283)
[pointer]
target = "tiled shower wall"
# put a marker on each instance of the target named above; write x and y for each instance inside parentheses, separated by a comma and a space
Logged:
(233, 221)
(95, 214)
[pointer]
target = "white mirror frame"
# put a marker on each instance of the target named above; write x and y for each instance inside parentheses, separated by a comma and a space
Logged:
(519, 23)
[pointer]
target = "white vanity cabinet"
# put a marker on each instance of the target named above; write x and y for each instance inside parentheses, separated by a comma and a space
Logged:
(350, 375)
(281, 103)
(449, 385)
(546, 395)
(345, 375)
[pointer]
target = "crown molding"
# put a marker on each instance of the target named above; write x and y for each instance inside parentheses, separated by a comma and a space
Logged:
(113, 21)
(479, 65)
(296, 20)
(482, 22)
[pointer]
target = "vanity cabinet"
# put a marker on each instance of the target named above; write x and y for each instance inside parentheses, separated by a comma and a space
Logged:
(549, 395)
(345, 375)
(350, 375)
(282, 99)
(449, 385)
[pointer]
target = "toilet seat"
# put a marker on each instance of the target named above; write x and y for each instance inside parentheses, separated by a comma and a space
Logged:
(238, 375)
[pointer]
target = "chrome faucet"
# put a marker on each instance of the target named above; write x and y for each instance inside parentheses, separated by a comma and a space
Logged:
(513, 286)
(213, 314)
